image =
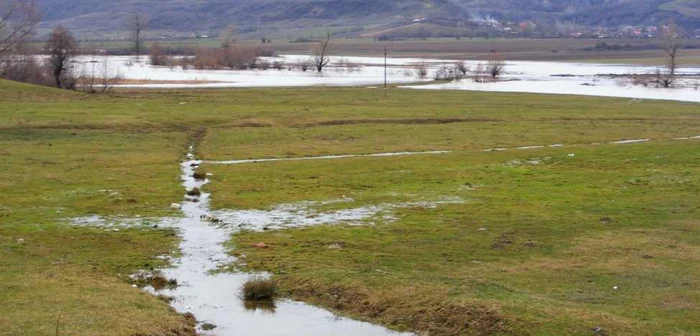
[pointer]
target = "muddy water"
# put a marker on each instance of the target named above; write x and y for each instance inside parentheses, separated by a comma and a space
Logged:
(214, 297)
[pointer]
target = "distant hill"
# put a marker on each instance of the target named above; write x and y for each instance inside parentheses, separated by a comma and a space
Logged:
(210, 16)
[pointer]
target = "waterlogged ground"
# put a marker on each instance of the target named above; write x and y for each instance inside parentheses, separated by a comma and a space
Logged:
(519, 76)
(526, 214)
(214, 295)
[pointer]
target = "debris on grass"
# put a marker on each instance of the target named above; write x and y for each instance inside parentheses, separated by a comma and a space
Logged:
(259, 289)
(599, 331)
(336, 246)
(155, 280)
(176, 206)
(530, 243)
(260, 245)
(502, 241)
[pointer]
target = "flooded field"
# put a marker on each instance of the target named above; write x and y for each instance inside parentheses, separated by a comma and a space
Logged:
(214, 295)
(207, 288)
(519, 76)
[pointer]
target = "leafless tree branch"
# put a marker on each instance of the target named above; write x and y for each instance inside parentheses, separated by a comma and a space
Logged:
(18, 20)
(61, 47)
(321, 52)
(671, 42)
(137, 24)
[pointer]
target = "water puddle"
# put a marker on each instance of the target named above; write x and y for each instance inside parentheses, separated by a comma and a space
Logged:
(630, 141)
(328, 157)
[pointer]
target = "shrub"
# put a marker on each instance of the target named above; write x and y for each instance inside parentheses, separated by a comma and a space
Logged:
(26, 69)
(422, 70)
(461, 68)
(231, 57)
(157, 57)
(259, 289)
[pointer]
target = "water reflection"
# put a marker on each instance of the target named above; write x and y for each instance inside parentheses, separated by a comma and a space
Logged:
(264, 306)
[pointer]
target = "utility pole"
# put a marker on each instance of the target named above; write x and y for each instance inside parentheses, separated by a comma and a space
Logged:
(385, 66)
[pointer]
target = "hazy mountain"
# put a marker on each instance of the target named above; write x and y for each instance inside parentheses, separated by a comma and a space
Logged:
(99, 16)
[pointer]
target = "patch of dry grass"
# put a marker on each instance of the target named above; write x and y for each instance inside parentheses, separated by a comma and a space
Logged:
(259, 289)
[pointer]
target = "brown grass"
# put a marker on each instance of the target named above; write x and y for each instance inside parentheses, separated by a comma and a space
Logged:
(444, 317)
(259, 289)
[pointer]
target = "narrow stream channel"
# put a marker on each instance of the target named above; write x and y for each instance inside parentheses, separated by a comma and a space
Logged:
(214, 297)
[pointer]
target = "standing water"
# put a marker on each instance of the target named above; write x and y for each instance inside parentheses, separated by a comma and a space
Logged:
(214, 297)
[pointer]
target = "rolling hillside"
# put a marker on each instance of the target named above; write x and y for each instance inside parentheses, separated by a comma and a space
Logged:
(210, 16)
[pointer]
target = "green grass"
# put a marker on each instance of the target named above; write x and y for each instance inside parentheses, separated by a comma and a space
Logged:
(546, 263)
(80, 274)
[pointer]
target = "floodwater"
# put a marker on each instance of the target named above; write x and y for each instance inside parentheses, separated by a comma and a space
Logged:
(215, 297)
(519, 76)
(579, 79)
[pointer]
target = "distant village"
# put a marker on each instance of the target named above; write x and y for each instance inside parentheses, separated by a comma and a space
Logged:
(479, 27)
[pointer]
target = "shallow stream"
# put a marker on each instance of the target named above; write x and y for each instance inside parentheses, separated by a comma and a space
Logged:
(214, 297)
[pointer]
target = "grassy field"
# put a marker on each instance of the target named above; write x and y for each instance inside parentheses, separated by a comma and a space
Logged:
(537, 246)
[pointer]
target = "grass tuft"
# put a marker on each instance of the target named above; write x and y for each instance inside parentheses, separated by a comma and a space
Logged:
(259, 289)
(208, 326)
(200, 175)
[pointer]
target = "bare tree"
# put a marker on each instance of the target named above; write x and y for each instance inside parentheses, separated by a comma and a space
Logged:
(99, 77)
(671, 42)
(61, 47)
(18, 19)
(480, 73)
(461, 68)
(495, 66)
(421, 70)
(321, 52)
(227, 36)
(137, 24)
(23, 66)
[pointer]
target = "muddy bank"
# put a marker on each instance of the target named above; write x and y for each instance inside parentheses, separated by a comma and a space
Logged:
(398, 308)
